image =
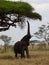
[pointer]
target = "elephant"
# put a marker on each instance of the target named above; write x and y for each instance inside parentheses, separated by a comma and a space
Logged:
(21, 46)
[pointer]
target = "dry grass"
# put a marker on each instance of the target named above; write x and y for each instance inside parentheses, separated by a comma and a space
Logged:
(36, 58)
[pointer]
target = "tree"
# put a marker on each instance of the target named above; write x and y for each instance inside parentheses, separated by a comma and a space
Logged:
(19, 10)
(6, 40)
(43, 32)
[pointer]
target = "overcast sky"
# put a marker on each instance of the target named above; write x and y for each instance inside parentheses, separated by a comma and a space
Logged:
(42, 7)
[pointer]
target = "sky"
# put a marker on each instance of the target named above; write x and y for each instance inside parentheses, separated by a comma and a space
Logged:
(41, 7)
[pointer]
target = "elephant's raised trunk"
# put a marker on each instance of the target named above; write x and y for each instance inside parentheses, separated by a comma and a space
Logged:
(28, 32)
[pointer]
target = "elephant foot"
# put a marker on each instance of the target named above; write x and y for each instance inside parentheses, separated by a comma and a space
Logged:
(16, 55)
(28, 56)
(22, 56)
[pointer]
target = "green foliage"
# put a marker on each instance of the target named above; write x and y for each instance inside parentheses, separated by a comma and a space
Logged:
(18, 7)
(20, 11)
(34, 41)
(22, 8)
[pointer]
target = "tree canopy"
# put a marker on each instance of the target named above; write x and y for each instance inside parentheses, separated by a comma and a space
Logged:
(43, 33)
(20, 10)
(6, 40)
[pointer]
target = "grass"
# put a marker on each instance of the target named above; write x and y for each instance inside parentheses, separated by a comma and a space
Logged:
(36, 58)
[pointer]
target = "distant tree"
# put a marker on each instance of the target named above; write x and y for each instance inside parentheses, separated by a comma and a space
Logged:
(18, 10)
(6, 40)
(43, 32)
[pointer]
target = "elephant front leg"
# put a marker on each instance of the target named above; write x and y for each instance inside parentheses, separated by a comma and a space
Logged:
(27, 52)
(16, 55)
(22, 54)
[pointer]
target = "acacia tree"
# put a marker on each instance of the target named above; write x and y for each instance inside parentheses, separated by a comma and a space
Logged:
(6, 40)
(19, 10)
(43, 33)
